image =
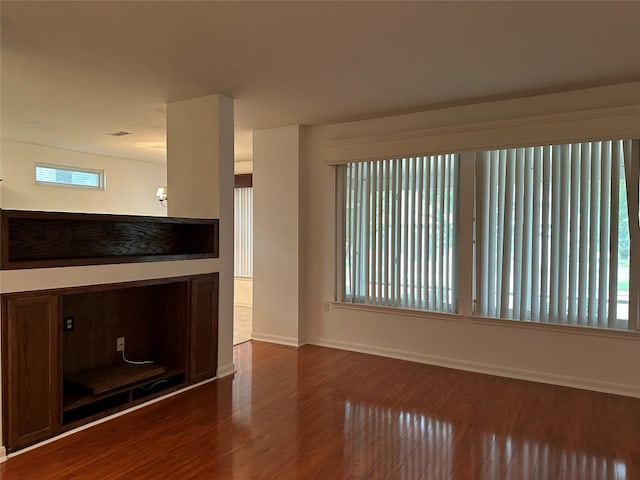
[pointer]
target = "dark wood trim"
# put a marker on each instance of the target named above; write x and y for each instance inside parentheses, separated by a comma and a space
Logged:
(34, 239)
(204, 293)
(31, 369)
(243, 180)
(103, 261)
(99, 287)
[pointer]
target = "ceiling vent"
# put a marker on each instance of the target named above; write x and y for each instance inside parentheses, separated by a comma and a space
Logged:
(118, 133)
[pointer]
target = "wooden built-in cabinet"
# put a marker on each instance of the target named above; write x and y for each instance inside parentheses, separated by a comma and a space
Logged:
(32, 368)
(31, 239)
(63, 370)
(204, 328)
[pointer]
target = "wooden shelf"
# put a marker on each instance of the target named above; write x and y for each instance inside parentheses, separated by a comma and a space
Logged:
(53, 239)
(103, 379)
(75, 395)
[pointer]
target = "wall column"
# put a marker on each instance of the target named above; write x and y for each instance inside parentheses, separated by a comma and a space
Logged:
(276, 236)
(200, 185)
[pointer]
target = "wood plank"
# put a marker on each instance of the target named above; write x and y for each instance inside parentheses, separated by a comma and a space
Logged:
(102, 379)
(75, 395)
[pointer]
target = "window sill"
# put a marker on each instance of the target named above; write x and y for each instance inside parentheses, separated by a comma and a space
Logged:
(450, 317)
(488, 321)
(556, 327)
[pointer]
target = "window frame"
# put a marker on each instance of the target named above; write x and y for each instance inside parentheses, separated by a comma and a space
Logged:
(558, 169)
(468, 199)
(101, 176)
(453, 242)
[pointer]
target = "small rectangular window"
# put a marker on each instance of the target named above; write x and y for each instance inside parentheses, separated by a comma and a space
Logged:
(69, 176)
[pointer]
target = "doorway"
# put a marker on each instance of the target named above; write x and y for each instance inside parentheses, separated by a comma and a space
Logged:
(243, 258)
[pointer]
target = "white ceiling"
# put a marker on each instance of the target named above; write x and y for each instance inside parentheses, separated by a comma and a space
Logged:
(72, 71)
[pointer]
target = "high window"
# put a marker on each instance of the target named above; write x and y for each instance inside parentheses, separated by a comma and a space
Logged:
(69, 176)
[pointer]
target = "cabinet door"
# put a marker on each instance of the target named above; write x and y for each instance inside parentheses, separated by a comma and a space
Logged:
(32, 359)
(204, 328)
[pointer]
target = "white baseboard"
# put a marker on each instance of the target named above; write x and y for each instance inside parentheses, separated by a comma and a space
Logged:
(226, 370)
(3, 454)
(490, 369)
(265, 337)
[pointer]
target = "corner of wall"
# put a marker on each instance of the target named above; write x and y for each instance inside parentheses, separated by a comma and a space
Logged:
(226, 370)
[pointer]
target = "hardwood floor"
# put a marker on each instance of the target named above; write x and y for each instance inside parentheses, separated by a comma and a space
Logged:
(317, 413)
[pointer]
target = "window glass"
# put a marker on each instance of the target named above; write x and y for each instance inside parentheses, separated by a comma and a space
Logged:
(70, 176)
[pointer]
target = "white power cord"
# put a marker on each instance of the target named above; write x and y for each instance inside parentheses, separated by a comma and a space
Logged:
(153, 385)
(134, 362)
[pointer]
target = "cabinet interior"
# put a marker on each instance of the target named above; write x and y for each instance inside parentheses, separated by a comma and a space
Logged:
(154, 321)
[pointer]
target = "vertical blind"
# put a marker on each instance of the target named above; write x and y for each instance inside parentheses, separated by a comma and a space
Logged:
(243, 232)
(398, 232)
(553, 234)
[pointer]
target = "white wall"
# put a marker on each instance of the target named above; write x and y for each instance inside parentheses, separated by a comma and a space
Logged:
(244, 166)
(200, 184)
(276, 230)
(599, 360)
(130, 184)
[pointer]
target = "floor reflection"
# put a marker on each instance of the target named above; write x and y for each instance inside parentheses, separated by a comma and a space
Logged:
(385, 442)
(242, 388)
(386, 437)
(314, 413)
(507, 457)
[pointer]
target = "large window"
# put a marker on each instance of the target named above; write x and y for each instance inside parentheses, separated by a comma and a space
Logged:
(398, 232)
(553, 234)
(69, 176)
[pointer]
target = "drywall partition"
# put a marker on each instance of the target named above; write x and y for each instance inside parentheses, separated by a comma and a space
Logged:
(130, 184)
(593, 359)
(194, 152)
(276, 230)
(200, 184)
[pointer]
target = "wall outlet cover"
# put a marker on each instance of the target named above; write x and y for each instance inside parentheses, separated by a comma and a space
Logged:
(67, 323)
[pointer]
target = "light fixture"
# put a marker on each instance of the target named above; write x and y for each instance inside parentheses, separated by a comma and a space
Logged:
(161, 195)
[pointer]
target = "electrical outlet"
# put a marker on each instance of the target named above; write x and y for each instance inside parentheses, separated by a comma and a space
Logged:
(67, 323)
(120, 344)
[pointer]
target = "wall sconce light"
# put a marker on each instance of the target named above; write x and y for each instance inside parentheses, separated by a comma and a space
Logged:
(161, 195)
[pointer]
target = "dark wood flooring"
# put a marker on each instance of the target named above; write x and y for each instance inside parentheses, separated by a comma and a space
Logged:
(318, 413)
